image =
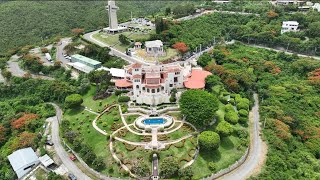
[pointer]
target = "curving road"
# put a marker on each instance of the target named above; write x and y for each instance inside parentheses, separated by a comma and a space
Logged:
(61, 152)
(113, 51)
(256, 153)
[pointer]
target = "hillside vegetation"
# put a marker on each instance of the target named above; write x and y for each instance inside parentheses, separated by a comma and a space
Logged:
(28, 22)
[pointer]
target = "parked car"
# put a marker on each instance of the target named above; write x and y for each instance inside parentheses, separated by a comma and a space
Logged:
(49, 143)
(72, 177)
(72, 157)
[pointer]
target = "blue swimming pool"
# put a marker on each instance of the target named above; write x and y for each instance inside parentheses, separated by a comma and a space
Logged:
(154, 121)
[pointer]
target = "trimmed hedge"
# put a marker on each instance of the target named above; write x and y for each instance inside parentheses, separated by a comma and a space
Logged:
(124, 99)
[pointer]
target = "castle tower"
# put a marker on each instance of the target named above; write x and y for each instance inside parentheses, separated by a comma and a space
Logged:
(112, 11)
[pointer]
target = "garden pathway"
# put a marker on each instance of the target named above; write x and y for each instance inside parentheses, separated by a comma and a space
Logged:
(94, 124)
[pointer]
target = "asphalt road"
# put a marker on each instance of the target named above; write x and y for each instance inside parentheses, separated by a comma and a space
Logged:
(113, 51)
(256, 149)
(61, 152)
(63, 42)
(14, 68)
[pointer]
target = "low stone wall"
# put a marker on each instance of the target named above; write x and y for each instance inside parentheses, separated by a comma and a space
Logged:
(230, 168)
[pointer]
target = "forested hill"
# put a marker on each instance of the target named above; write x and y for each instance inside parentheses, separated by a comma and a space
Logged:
(27, 22)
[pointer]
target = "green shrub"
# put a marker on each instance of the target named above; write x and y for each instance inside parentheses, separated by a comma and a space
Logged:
(124, 99)
(232, 117)
(243, 113)
(209, 140)
(224, 128)
(212, 166)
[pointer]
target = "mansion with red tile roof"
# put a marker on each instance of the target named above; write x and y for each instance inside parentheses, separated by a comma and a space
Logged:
(152, 84)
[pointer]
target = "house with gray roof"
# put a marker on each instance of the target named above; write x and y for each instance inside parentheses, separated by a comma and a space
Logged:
(154, 48)
(23, 161)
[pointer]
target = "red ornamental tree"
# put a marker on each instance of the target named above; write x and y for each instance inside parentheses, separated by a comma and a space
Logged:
(25, 139)
(181, 47)
(314, 76)
(23, 120)
(2, 134)
(77, 31)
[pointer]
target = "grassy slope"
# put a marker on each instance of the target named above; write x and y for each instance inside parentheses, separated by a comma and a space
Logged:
(25, 22)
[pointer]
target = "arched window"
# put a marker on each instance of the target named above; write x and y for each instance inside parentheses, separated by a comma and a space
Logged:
(137, 86)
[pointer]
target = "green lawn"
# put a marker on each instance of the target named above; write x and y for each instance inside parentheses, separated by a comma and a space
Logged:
(106, 121)
(95, 104)
(181, 154)
(113, 39)
(130, 119)
(81, 121)
(40, 174)
(226, 155)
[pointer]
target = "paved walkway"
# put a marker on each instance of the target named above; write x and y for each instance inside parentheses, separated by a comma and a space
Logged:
(94, 124)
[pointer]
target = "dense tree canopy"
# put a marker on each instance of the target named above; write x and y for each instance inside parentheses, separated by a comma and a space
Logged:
(198, 106)
(73, 101)
(169, 167)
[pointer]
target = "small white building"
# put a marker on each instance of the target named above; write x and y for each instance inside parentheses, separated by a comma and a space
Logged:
(288, 2)
(221, 1)
(23, 161)
(46, 160)
(289, 26)
(116, 73)
(155, 48)
(316, 7)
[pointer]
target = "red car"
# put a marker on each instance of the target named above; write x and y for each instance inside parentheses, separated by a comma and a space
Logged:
(72, 157)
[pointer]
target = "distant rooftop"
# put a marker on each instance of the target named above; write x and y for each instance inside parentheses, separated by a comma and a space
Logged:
(21, 159)
(46, 160)
(291, 22)
(156, 43)
(86, 59)
(81, 67)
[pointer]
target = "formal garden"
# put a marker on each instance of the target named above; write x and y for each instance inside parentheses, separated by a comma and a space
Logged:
(117, 147)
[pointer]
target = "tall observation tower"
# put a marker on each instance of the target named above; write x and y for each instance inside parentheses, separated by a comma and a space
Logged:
(113, 20)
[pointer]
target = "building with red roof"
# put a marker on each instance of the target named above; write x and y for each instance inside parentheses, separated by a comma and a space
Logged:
(152, 85)
(197, 79)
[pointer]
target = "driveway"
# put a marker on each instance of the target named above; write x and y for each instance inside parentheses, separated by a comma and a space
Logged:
(59, 55)
(257, 152)
(61, 152)
(14, 68)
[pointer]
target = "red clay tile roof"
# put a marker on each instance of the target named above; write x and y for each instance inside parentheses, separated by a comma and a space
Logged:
(152, 86)
(136, 65)
(136, 76)
(197, 79)
(122, 83)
